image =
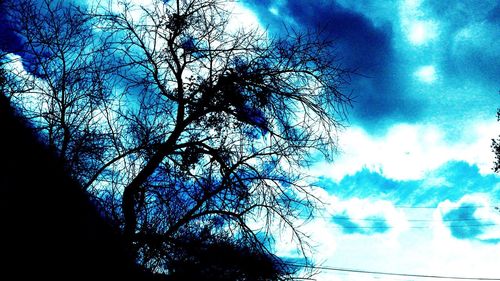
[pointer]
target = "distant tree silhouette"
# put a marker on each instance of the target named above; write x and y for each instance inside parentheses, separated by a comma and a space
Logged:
(180, 124)
(495, 146)
(216, 258)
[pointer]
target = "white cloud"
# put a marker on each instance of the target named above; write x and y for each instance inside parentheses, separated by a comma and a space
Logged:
(13, 64)
(464, 257)
(427, 250)
(419, 254)
(27, 88)
(242, 17)
(357, 210)
(410, 152)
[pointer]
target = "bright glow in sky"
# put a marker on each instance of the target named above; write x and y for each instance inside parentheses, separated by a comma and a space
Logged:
(417, 28)
(243, 17)
(426, 74)
(420, 32)
(274, 11)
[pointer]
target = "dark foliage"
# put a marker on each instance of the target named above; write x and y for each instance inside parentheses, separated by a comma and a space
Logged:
(214, 258)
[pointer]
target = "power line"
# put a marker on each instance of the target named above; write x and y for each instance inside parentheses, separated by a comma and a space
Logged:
(435, 207)
(481, 222)
(350, 270)
(410, 220)
(416, 226)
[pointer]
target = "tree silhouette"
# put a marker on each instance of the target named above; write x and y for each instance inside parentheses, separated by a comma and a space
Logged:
(65, 87)
(192, 258)
(495, 147)
(185, 125)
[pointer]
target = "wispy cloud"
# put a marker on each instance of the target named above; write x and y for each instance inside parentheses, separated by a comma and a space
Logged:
(411, 152)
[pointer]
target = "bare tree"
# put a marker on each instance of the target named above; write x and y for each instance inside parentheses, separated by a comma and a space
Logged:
(229, 118)
(64, 88)
(182, 125)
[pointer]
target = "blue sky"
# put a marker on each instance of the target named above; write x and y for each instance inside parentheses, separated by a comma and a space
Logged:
(412, 189)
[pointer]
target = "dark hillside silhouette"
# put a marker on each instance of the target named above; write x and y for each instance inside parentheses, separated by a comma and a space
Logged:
(49, 227)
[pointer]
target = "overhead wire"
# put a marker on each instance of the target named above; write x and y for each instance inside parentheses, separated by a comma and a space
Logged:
(436, 207)
(414, 227)
(409, 220)
(383, 273)
(480, 222)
